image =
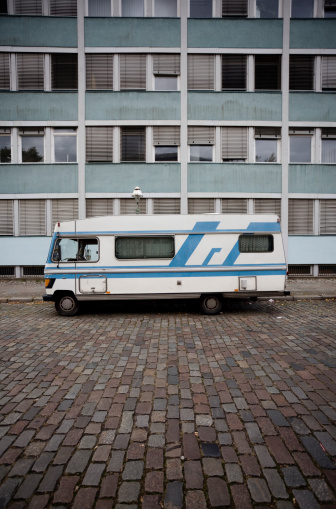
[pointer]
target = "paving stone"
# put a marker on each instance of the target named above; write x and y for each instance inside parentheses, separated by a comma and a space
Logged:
(50, 479)
(7, 489)
(193, 474)
(129, 492)
(259, 491)
(275, 483)
(190, 447)
(28, 486)
(314, 448)
(84, 498)
(93, 474)
(133, 470)
(174, 495)
(305, 499)
(154, 482)
(212, 466)
(109, 486)
(195, 500)
(218, 492)
(210, 450)
(116, 462)
(78, 462)
(293, 477)
(321, 490)
(233, 473)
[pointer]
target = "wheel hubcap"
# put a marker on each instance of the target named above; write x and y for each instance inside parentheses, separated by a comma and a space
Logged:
(67, 304)
(211, 303)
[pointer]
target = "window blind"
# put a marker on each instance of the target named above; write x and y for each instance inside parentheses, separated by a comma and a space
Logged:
(201, 72)
(329, 73)
(301, 72)
(64, 210)
(234, 8)
(166, 205)
(201, 205)
(166, 135)
(99, 71)
(267, 206)
(201, 135)
(300, 217)
(327, 217)
(101, 8)
(99, 144)
(267, 132)
(132, 72)
(99, 207)
(166, 64)
(132, 8)
(4, 71)
(64, 71)
(234, 143)
(234, 206)
(128, 206)
(63, 7)
(234, 72)
(28, 7)
(133, 144)
(6, 217)
(32, 217)
(30, 71)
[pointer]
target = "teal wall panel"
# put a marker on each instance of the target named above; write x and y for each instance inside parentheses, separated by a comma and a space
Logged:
(38, 178)
(123, 177)
(234, 106)
(313, 33)
(38, 31)
(30, 106)
(234, 33)
(312, 107)
(137, 32)
(311, 250)
(238, 178)
(312, 178)
(132, 105)
(24, 250)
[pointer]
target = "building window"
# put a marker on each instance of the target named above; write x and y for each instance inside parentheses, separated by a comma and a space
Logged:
(6, 217)
(329, 145)
(267, 8)
(300, 217)
(234, 8)
(132, 8)
(32, 145)
(329, 74)
(201, 141)
(166, 206)
(65, 145)
(99, 8)
(133, 144)
(128, 206)
(64, 210)
(201, 72)
(201, 205)
(267, 72)
(99, 71)
(267, 206)
(99, 144)
(5, 145)
(234, 144)
(327, 217)
(30, 71)
(330, 8)
(234, 206)
(166, 8)
(64, 71)
(266, 143)
(132, 71)
(201, 8)
(300, 142)
(28, 7)
(166, 140)
(4, 71)
(302, 8)
(301, 72)
(3, 7)
(166, 69)
(32, 217)
(99, 207)
(234, 72)
(63, 7)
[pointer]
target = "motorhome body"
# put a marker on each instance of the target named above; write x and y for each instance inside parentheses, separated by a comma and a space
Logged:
(207, 257)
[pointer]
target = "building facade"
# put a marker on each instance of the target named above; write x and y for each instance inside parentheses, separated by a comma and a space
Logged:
(206, 105)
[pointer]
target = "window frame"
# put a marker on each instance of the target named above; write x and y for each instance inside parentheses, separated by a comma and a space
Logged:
(144, 131)
(7, 135)
(262, 66)
(77, 238)
(26, 135)
(64, 133)
(127, 237)
(167, 160)
(296, 134)
(253, 236)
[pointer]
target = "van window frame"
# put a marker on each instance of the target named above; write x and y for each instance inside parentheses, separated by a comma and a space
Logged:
(120, 237)
(77, 238)
(248, 235)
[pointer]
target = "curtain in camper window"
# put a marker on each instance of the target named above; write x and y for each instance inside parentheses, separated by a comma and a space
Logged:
(144, 247)
(255, 243)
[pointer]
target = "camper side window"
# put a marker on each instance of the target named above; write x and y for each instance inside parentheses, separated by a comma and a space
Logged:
(144, 247)
(256, 243)
(75, 250)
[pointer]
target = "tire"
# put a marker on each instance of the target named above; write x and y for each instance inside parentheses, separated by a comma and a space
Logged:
(211, 304)
(67, 305)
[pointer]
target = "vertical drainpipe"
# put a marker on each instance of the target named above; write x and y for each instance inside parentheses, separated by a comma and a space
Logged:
(184, 107)
(81, 148)
(285, 122)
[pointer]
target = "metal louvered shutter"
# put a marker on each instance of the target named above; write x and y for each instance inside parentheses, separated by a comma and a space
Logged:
(4, 71)
(166, 205)
(64, 71)
(300, 217)
(201, 205)
(166, 64)
(133, 144)
(201, 135)
(63, 7)
(128, 206)
(234, 143)
(30, 71)
(329, 73)
(28, 7)
(166, 135)
(327, 217)
(234, 72)
(99, 207)
(267, 132)
(301, 72)
(201, 72)
(132, 72)
(64, 209)
(32, 217)
(234, 206)
(234, 8)
(99, 144)
(99, 71)
(6, 217)
(267, 206)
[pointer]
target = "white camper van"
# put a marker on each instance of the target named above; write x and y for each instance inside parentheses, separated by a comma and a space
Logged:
(206, 257)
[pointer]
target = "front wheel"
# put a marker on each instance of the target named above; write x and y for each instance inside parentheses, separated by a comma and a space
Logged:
(67, 305)
(211, 304)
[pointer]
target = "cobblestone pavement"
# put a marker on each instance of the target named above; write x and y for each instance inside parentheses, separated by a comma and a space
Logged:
(159, 406)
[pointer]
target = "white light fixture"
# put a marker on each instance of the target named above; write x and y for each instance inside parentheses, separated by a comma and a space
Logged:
(137, 195)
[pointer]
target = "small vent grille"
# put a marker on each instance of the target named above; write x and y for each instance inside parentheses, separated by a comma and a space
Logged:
(299, 270)
(6, 271)
(327, 270)
(34, 270)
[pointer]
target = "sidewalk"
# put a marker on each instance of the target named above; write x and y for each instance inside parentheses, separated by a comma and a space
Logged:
(18, 290)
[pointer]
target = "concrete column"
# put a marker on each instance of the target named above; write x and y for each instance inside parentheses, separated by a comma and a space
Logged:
(184, 107)
(81, 140)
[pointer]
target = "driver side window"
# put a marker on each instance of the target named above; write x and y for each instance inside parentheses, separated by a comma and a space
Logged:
(75, 250)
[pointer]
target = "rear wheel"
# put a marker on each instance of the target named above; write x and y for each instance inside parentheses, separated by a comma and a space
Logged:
(211, 304)
(67, 305)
